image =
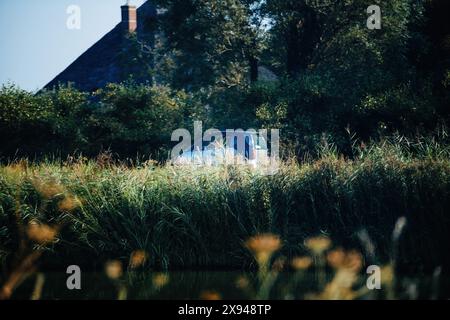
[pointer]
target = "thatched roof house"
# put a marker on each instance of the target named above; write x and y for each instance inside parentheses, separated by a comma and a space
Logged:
(102, 63)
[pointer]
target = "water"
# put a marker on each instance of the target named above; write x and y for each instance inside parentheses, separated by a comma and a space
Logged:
(212, 285)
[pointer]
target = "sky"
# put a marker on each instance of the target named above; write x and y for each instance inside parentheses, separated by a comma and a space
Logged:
(36, 44)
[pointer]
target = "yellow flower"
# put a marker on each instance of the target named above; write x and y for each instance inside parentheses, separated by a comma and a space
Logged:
(263, 246)
(336, 258)
(68, 204)
(138, 258)
(41, 233)
(301, 263)
(210, 295)
(242, 282)
(350, 260)
(318, 244)
(159, 280)
(113, 269)
(387, 275)
(340, 288)
(354, 261)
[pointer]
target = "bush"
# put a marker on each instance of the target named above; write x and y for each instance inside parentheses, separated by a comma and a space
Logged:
(25, 121)
(138, 119)
(127, 119)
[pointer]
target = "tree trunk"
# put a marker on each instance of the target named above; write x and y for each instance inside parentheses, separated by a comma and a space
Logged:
(253, 69)
(293, 63)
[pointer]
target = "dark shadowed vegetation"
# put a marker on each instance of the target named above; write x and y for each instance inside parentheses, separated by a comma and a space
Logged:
(186, 217)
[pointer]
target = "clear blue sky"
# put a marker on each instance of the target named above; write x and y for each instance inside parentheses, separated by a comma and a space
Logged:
(35, 43)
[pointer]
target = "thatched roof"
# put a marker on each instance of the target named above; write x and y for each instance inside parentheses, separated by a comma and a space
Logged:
(100, 64)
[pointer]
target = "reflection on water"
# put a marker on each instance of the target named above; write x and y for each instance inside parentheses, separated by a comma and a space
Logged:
(214, 285)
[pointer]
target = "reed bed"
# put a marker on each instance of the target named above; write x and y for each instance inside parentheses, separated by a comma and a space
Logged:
(193, 217)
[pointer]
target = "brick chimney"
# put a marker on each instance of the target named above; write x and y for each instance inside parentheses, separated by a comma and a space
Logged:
(129, 17)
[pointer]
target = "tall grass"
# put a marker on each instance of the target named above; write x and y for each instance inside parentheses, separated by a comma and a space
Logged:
(195, 217)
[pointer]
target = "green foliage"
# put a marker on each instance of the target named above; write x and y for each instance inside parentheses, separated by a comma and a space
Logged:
(140, 119)
(186, 217)
(31, 123)
(211, 42)
(129, 119)
(18, 107)
(334, 73)
(334, 76)
(308, 34)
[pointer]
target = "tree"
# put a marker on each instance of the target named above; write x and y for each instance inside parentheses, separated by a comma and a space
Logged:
(212, 42)
(133, 119)
(310, 33)
(338, 63)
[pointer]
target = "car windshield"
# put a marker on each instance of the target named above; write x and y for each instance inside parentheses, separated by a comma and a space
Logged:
(240, 140)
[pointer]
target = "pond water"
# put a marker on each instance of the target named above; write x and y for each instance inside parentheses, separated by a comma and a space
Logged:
(220, 285)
